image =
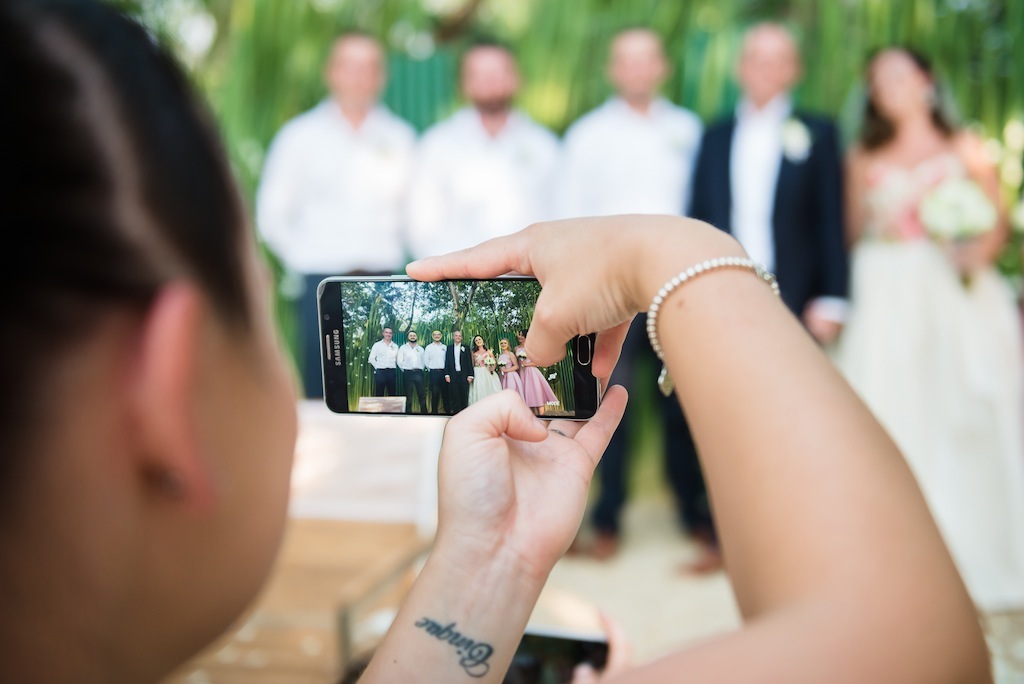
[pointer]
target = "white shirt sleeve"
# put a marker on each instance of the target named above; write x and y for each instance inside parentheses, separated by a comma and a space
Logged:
(691, 163)
(570, 196)
(548, 171)
(279, 188)
(428, 202)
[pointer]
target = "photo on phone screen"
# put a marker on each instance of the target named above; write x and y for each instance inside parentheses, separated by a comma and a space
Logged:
(546, 657)
(398, 346)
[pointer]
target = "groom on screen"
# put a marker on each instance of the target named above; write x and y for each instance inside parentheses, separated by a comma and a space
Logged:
(458, 373)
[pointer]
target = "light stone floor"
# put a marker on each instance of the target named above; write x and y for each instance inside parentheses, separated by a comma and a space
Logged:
(383, 469)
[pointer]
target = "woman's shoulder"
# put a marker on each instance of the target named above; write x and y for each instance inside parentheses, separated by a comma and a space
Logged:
(859, 159)
(970, 148)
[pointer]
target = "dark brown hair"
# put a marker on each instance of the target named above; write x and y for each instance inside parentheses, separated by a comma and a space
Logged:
(115, 184)
(877, 129)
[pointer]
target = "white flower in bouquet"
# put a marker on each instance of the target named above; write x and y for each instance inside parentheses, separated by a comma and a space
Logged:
(796, 140)
(521, 354)
(957, 209)
(502, 363)
(488, 361)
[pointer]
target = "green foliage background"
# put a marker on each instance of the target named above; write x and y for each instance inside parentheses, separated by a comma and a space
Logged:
(262, 63)
(266, 57)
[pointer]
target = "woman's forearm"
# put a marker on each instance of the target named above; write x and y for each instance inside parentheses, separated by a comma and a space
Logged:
(814, 504)
(838, 567)
(460, 623)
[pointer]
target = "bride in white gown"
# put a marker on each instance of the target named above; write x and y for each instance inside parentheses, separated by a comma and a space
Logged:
(485, 379)
(933, 342)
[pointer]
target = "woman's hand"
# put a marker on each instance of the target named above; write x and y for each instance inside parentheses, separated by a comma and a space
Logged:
(512, 488)
(597, 273)
(620, 653)
(971, 255)
(512, 494)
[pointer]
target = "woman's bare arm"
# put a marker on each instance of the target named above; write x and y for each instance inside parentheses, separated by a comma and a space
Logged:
(854, 204)
(839, 570)
(982, 171)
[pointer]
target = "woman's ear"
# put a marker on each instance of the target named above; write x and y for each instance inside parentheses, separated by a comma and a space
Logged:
(164, 384)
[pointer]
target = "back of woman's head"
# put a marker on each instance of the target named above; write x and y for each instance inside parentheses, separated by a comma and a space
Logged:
(114, 185)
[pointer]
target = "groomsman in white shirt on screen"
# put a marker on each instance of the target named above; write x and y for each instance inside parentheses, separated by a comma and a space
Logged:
(487, 170)
(411, 362)
(634, 154)
(332, 197)
(433, 356)
(384, 359)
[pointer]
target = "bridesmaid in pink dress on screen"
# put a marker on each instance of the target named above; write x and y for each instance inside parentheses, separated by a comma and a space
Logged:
(536, 390)
(508, 368)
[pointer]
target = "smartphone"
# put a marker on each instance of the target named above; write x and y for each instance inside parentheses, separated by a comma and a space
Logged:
(397, 346)
(549, 656)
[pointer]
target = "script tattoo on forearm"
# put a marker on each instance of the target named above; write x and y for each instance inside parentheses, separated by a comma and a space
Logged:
(473, 655)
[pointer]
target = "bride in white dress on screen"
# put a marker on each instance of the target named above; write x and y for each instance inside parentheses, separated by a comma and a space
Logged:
(485, 377)
(933, 343)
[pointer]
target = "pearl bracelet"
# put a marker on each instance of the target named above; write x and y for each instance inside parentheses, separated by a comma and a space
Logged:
(665, 383)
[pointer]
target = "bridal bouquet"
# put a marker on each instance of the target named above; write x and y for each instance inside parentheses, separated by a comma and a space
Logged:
(954, 213)
(956, 210)
(489, 363)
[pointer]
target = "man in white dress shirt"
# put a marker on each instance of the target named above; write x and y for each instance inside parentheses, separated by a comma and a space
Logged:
(331, 199)
(411, 362)
(433, 357)
(384, 359)
(487, 170)
(633, 154)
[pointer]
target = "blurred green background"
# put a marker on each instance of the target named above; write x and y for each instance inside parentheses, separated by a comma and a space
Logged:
(259, 63)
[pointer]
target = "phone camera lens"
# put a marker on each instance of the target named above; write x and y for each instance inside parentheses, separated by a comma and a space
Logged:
(327, 317)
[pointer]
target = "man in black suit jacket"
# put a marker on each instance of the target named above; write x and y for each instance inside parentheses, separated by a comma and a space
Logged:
(458, 379)
(772, 170)
(773, 179)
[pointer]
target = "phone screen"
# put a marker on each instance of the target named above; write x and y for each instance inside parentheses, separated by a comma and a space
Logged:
(550, 658)
(398, 346)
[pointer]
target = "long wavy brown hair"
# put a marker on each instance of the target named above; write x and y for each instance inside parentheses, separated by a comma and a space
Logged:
(878, 129)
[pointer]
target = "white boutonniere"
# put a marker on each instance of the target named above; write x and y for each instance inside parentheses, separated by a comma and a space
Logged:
(796, 140)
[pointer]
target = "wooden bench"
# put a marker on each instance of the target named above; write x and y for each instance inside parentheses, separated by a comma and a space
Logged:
(331, 576)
